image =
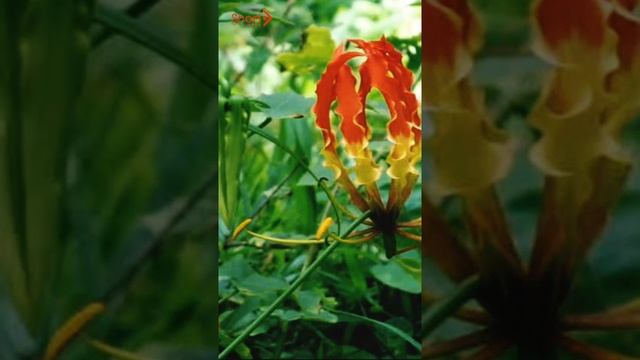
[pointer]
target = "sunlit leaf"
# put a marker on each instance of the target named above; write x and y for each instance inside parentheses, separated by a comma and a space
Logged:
(315, 54)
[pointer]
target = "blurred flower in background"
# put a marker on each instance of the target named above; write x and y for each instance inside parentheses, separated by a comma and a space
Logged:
(580, 117)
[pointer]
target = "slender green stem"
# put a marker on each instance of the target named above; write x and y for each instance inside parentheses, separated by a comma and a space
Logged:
(442, 310)
(130, 271)
(134, 10)
(296, 284)
(256, 130)
(135, 31)
(275, 191)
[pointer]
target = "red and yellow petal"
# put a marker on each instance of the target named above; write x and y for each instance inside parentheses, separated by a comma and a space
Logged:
(383, 70)
(446, 55)
(326, 95)
(574, 33)
(472, 30)
(394, 82)
(355, 135)
(623, 84)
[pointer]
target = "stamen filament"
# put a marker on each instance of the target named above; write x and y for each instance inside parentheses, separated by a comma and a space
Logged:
(356, 241)
(411, 224)
(286, 241)
(408, 235)
(362, 232)
(406, 249)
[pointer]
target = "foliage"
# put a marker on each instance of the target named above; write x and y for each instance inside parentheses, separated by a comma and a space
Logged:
(97, 202)
(356, 294)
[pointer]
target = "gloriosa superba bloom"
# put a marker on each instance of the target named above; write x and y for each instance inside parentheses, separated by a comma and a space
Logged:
(382, 69)
(591, 93)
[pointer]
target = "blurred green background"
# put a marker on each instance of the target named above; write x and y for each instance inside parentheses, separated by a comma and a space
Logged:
(279, 66)
(511, 76)
(108, 151)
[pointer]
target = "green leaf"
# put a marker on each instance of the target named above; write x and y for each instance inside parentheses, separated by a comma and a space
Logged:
(140, 34)
(323, 316)
(242, 350)
(235, 320)
(313, 303)
(12, 191)
(316, 52)
(309, 300)
(395, 276)
(231, 143)
(258, 284)
(236, 268)
(284, 105)
(320, 170)
(287, 315)
(356, 271)
(351, 352)
(14, 336)
(304, 207)
(256, 60)
(347, 315)
(51, 74)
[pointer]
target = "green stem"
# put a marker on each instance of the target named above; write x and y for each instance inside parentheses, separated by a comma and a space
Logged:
(134, 10)
(133, 30)
(256, 130)
(445, 308)
(296, 284)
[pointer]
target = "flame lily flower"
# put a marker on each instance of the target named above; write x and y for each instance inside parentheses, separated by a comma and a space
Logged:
(590, 94)
(383, 70)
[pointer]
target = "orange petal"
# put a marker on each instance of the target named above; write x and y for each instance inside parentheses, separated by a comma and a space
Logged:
(575, 33)
(349, 107)
(446, 58)
(363, 92)
(624, 82)
(627, 27)
(351, 111)
(442, 33)
(326, 94)
(571, 20)
(472, 31)
(384, 70)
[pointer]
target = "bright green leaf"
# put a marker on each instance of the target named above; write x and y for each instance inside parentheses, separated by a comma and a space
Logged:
(316, 52)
